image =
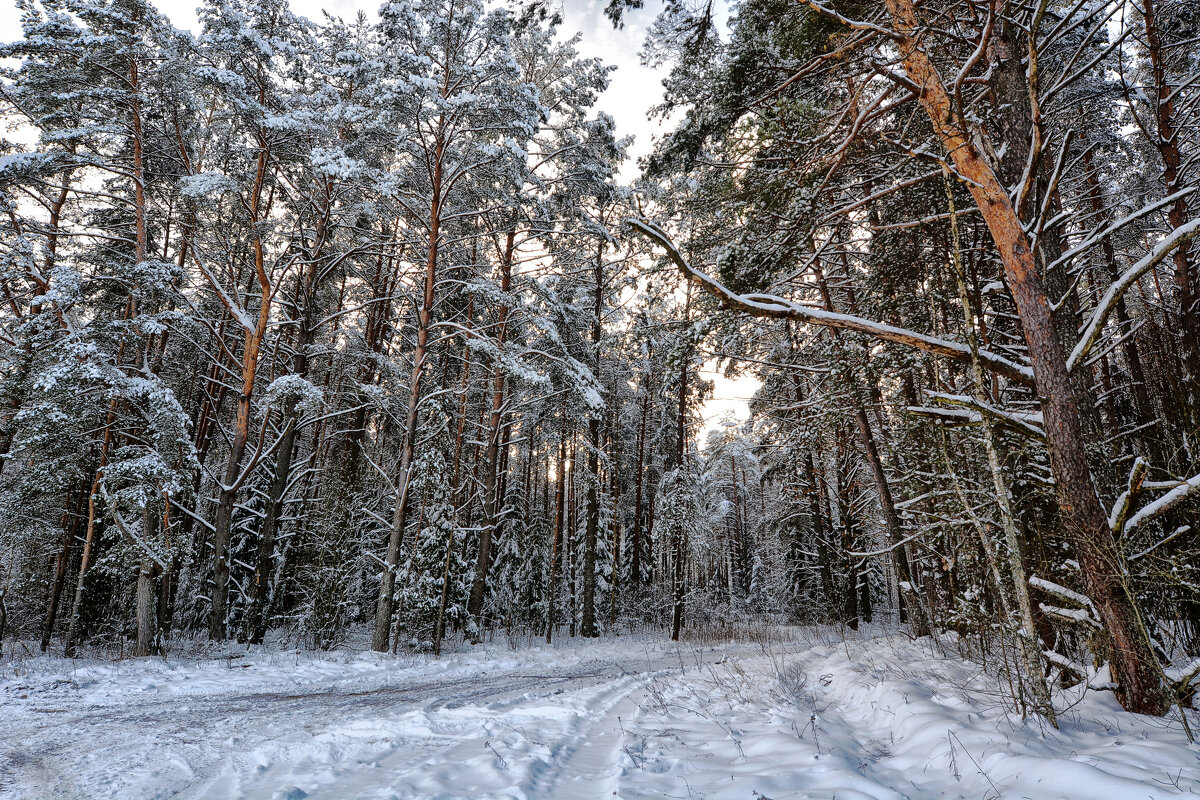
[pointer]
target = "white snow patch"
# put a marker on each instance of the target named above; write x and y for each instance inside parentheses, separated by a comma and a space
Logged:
(812, 716)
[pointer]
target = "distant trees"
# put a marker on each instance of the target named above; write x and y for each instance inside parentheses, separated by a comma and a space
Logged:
(315, 324)
(817, 140)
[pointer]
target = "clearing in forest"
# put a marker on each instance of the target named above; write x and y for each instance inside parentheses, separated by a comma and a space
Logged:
(816, 715)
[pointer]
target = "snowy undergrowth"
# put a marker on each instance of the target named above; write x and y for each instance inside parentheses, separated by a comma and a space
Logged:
(885, 717)
(814, 716)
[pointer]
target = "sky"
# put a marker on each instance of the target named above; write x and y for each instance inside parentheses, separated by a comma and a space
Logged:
(634, 89)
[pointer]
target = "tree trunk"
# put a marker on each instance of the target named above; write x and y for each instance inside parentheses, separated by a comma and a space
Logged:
(556, 545)
(70, 523)
(381, 634)
(1134, 665)
(592, 524)
(614, 443)
(147, 606)
(1168, 147)
(255, 627)
(255, 623)
(1027, 635)
(848, 539)
(1141, 397)
(84, 562)
(910, 599)
(491, 458)
(222, 525)
(439, 625)
(89, 537)
(813, 491)
(678, 545)
(635, 556)
(251, 350)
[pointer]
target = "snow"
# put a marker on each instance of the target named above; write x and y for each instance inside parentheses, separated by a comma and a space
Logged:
(1062, 591)
(23, 162)
(808, 713)
(206, 185)
(1099, 316)
(1167, 501)
(294, 388)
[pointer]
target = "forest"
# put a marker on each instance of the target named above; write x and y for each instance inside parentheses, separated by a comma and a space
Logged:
(312, 329)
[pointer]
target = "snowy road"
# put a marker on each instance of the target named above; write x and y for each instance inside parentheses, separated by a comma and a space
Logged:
(543, 723)
(632, 718)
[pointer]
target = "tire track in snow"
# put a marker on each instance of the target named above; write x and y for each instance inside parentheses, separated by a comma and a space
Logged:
(282, 761)
(586, 762)
(558, 728)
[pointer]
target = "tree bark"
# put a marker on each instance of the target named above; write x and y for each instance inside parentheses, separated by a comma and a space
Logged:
(635, 556)
(1141, 397)
(1027, 635)
(255, 627)
(560, 470)
(252, 340)
(910, 599)
(70, 522)
(1168, 147)
(1134, 665)
(147, 606)
(678, 545)
(592, 524)
(491, 457)
(84, 562)
(383, 611)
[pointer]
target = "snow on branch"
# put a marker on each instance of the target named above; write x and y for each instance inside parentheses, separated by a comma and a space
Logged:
(1180, 531)
(231, 305)
(774, 306)
(1026, 423)
(1183, 676)
(1108, 303)
(1109, 229)
(1120, 509)
(889, 549)
(860, 25)
(1183, 491)
(1094, 680)
(1061, 591)
(146, 547)
(1086, 615)
(1069, 614)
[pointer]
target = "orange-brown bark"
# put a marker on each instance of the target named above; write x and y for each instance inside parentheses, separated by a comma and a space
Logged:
(1133, 662)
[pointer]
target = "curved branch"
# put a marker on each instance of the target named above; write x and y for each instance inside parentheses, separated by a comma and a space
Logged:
(773, 306)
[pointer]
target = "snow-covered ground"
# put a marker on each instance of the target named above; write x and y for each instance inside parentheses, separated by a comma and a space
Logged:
(875, 716)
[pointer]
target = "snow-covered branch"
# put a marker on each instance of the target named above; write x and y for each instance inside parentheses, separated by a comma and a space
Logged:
(1108, 303)
(971, 411)
(1086, 615)
(1120, 509)
(774, 306)
(1183, 491)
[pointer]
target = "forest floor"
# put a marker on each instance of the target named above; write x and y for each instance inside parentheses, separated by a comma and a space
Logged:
(812, 713)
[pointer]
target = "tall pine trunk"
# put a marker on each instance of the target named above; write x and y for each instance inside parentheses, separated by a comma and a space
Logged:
(1167, 143)
(1134, 665)
(592, 523)
(255, 624)
(678, 543)
(252, 340)
(560, 470)
(381, 634)
(491, 457)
